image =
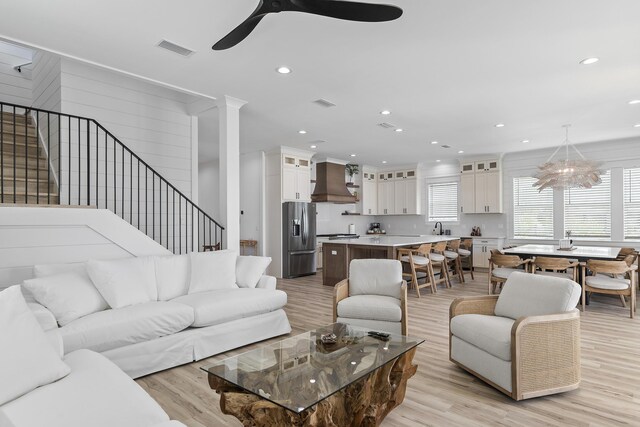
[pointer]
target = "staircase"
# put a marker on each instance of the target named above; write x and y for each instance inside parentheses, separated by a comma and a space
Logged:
(25, 176)
(49, 158)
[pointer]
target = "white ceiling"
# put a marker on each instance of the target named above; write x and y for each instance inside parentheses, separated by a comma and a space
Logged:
(448, 70)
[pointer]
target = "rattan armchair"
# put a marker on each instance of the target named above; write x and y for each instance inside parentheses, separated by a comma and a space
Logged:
(543, 353)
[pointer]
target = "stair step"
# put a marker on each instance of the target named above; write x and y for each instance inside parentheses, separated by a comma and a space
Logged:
(8, 128)
(32, 163)
(20, 118)
(20, 149)
(29, 200)
(20, 172)
(7, 138)
(33, 186)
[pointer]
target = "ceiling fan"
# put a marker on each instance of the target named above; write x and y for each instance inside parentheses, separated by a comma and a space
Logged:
(347, 10)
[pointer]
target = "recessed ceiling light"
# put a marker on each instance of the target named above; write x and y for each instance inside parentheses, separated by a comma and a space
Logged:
(500, 125)
(634, 102)
(461, 151)
(438, 161)
(399, 130)
(434, 142)
(283, 70)
(525, 141)
(353, 155)
(385, 112)
(302, 132)
(314, 146)
(445, 146)
(384, 162)
(589, 61)
(637, 125)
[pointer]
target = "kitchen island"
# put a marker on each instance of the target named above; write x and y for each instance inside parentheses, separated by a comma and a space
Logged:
(337, 254)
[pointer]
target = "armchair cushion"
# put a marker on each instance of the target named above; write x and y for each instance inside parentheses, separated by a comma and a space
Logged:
(526, 294)
(375, 277)
(489, 333)
(372, 307)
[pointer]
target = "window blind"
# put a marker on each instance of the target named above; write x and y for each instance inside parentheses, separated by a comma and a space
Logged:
(443, 202)
(532, 211)
(587, 211)
(631, 183)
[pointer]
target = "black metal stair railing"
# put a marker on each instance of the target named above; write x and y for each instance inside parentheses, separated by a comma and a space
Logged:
(53, 158)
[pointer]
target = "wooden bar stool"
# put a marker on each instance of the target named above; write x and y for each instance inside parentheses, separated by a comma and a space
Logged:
(419, 262)
(464, 251)
(453, 259)
(439, 260)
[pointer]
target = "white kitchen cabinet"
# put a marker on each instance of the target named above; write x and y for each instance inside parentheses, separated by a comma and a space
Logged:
(398, 193)
(405, 197)
(369, 196)
(467, 193)
(386, 198)
(296, 179)
(319, 256)
(482, 247)
(481, 191)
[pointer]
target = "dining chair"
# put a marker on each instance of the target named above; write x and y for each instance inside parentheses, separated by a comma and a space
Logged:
(502, 266)
(453, 259)
(418, 262)
(438, 259)
(466, 246)
(610, 277)
(558, 267)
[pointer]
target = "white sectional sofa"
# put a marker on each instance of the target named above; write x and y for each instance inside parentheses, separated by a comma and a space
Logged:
(154, 313)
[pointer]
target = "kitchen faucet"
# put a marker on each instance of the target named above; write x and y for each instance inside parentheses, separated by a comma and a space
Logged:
(436, 226)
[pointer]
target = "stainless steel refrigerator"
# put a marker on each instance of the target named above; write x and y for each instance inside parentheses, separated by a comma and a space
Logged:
(299, 239)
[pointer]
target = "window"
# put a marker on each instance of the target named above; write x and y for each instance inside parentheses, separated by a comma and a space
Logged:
(587, 211)
(443, 202)
(631, 184)
(532, 210)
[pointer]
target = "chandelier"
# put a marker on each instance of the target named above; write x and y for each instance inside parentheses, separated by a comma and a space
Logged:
(566, 173)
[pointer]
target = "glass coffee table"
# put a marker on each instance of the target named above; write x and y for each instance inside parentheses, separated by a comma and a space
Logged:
(301, 381)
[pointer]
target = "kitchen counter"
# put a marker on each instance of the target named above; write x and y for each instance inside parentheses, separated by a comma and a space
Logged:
(338, 254)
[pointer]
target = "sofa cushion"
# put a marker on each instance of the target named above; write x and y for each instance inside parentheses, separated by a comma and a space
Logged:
(375, 277)
(489, 333)
(124, 282)
(249, 269)
(68, 296)
(44, 270)
(172, 276)
(119, 327)
(225, 305)
(96, 393)
(527, 294)
(372, 307)
(27, 359)
(212, 270)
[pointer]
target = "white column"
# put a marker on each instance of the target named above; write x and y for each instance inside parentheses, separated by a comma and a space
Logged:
(229, 123)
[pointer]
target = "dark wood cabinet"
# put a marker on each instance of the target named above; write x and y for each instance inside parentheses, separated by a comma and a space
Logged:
(335, 263)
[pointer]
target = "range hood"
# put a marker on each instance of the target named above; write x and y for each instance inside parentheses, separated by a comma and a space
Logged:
(331, 186)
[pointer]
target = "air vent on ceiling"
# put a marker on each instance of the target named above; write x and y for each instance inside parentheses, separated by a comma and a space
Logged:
(324, 103)
(175, 48)
(445, 146)
(386, 125)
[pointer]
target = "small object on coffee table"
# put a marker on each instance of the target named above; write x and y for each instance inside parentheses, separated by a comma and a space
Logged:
(379, 335)
(330, 338)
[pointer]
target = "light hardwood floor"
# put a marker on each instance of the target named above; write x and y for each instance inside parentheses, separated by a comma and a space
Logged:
(441, 394)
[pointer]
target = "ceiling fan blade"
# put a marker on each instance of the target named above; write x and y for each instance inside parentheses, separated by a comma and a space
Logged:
(239, 33)
(348, 10)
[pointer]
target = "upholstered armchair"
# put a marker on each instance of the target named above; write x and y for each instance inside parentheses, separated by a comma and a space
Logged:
(526, 341)
(374, 296)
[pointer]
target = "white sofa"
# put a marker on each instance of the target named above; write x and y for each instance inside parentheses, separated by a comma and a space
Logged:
(168, 331)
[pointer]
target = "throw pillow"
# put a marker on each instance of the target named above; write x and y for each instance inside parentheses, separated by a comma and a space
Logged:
(44, 270)
(68, 296)
(212, 270)
(27, 359)
(172, 276)
(124, 282)
(249, 269)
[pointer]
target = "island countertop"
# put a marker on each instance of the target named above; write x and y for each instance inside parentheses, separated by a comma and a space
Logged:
(391, 241)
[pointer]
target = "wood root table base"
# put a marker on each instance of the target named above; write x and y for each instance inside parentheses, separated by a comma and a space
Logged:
(365, 402)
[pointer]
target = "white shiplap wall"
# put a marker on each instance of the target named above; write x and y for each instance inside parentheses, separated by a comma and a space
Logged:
(152, 121)
(47, 91)
(30, 236)
(15, 88)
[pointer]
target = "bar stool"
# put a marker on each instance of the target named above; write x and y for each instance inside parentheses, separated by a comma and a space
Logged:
(419, 262)
(438, 259)
(465, 254)
(453, 259)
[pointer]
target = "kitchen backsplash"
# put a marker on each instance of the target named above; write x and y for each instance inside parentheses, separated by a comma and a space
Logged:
(330, 219)
(490, 225)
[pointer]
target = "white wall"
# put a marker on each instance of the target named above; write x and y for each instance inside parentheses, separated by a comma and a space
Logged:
(47, 89)
(251, 197)
(331, 221)
(208, 188)
(15, 87)
(30, 236)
